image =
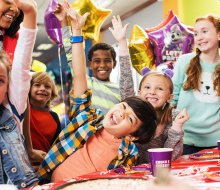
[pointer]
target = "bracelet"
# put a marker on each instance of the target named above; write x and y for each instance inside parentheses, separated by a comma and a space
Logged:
(76, 39)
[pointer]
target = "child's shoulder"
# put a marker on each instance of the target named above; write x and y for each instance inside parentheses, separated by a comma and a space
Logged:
(187, 56)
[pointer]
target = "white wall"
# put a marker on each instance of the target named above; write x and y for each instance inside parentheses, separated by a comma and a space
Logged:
(146, 18)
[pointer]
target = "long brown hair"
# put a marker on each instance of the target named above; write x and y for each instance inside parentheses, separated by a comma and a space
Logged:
(194, 70)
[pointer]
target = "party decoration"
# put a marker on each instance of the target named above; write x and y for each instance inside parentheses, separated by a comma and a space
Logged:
(38, 66)
(94, 21)
(169, 16)
(140, 49)
(171, 41)
(52, 24)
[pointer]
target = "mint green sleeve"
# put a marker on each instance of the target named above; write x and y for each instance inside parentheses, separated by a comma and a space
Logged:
(179, 77)
(66, 33)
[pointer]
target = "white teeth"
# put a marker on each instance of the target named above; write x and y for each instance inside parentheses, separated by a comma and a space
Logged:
(102, 71)
(9, 16)
(152, 99)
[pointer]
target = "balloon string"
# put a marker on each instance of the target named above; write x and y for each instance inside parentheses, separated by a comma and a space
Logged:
(61, 81)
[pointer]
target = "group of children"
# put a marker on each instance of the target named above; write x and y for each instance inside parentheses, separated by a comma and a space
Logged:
(103, 133)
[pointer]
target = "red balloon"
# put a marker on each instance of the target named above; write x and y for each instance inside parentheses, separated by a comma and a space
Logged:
(162, 24)
(52, 24)
(171, 41)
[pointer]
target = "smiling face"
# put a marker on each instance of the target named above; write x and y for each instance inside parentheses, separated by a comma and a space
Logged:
(121, 120)
(206, 36)
(156, 88)
(8, 13)
(102, 64)
(40, 94)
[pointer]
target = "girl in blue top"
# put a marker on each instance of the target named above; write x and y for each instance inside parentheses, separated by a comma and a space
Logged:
(197, 86)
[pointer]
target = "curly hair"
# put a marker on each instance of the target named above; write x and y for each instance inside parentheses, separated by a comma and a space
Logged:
(194, 70)
(102, 46)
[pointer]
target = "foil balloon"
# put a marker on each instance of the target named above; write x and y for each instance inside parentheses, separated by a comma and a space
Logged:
(140, 49)
(169, 16)
(94, 21)
(52, 24)
(171, 41)
(38, 66)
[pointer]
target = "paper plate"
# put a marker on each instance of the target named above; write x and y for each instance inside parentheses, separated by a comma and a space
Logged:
(204, 156)
(124, 182)
(214, 176)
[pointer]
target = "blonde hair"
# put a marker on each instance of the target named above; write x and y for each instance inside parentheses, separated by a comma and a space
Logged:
(194, 70)
(44, 77)
(4, 59)
(167, 110)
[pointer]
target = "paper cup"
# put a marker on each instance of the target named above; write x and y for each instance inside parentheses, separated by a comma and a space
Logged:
(160, 157)
(218, 144)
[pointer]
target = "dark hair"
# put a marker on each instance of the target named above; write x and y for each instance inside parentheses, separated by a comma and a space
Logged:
(101, 46)
(146, 113)
(15, 26)
(194, 69)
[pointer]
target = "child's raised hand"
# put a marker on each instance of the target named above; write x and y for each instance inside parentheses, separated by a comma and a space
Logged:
(77, 21)
(26, 5)
(59, 12)
(180, 119)
(118, 31)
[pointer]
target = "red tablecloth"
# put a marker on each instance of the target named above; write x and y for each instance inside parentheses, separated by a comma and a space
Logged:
(187, 168)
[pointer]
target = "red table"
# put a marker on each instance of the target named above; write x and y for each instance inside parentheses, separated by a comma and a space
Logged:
(190, 169)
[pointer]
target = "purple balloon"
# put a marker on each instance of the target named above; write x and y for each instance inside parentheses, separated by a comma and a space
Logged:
(171, 41)
(52, 24)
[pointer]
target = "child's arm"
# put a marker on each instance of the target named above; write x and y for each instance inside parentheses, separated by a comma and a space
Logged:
(19, 85)
(175, 134)
(78, 55)
(60, 14)
(126, 80)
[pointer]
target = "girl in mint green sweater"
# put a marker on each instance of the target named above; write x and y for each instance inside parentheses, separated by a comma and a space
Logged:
(197, 86)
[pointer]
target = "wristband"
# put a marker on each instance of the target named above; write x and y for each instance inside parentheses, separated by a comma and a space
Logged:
(76, 39)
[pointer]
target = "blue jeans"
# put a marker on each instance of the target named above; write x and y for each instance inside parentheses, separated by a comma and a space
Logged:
(190, 149)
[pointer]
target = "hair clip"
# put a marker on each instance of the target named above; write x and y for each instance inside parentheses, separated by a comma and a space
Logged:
(145, 70)
(166, 71)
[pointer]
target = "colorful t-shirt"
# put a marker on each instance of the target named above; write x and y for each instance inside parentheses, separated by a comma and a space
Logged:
(105, 94)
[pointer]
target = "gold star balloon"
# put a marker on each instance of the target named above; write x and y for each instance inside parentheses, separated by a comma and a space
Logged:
(140, 49)
(94, 21)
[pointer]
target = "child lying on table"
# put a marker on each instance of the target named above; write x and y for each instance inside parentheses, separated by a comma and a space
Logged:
(92, 142)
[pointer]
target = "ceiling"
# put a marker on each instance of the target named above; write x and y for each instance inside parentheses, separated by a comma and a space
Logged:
(45, 51)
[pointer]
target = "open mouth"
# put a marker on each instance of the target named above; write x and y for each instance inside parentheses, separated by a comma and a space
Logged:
(10, 17)
(113, 119)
